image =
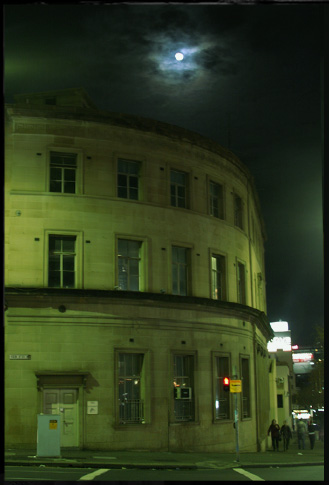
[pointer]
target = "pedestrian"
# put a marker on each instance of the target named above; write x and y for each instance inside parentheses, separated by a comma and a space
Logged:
(274, 429)
(312, 427)
(301, 430)
(286, 434)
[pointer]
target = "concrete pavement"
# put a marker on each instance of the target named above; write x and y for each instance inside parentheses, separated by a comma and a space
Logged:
(167, 460)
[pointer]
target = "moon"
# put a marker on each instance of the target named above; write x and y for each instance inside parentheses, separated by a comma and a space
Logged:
(179, 56)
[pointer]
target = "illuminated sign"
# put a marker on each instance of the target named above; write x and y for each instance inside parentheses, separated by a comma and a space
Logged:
(302, 357)
(280, 342)
(279, 326)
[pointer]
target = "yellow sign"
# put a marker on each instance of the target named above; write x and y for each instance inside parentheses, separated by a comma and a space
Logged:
(235, 385)
(53, 424)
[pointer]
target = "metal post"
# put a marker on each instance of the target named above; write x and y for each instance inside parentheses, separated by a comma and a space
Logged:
(236, 419)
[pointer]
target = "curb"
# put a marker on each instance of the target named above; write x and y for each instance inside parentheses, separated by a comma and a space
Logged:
(75, 464)
(279, 465)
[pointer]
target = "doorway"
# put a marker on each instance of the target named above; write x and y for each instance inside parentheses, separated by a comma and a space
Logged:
(65, 403)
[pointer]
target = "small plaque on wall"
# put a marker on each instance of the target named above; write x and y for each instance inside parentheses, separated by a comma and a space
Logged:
(92, 407)
(19, 357)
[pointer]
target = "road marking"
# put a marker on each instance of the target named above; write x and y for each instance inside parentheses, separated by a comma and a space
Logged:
(91, 476)
(249, 475)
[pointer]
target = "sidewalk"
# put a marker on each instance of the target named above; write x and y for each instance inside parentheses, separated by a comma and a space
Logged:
(166, 460)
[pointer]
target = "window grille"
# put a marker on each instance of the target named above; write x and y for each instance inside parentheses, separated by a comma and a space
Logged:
(222, 399)
(184, 377)
(245, 388)
(131, 404)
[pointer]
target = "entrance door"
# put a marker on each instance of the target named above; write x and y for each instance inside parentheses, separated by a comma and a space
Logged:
(65, 403)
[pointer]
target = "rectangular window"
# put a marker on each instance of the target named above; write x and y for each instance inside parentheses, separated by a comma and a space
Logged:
(129, 264)
(179, 271)
(128, 179)
(216, 200)
(63, 167)
(245, 377)
(218, 277)
(131, 385)
(280, 400)
(178, 189)
(62, 261)
(241, 280)
(222, 398)
(183, 387)
(238, 212)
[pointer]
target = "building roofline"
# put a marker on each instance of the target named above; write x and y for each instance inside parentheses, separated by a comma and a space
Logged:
(139, 123)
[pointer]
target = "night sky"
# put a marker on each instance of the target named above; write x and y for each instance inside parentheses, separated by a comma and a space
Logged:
(250, 80)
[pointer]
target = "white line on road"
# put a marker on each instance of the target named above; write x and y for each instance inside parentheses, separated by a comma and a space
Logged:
(249, 475)
(91, 476)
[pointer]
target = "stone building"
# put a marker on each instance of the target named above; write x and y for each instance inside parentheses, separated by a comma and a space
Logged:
(134, 282)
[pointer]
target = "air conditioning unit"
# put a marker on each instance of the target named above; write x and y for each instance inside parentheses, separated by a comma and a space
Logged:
(182, 392)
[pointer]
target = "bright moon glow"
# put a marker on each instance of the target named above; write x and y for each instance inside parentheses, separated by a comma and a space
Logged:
(179, 56)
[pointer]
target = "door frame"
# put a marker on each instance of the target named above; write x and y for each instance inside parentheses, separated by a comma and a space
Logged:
(80, 404)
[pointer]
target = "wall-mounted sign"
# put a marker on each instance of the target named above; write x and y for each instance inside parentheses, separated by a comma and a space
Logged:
(53, 424)
(20, 357)
(92, 407)
(302, 357)
(235, 385)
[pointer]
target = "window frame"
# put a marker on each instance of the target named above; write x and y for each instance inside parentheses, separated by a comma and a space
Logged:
(214, 253)
(238, 212)
(187, 269)
(245, 357)
(176, 185)
(192, 384)
(78, 171)
(139, 163)
(78, 256)
(240, 263)
(145, 387)
(221, 210)
(143, 266)
(219, 383)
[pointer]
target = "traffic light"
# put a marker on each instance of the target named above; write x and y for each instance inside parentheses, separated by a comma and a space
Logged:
(226, 384)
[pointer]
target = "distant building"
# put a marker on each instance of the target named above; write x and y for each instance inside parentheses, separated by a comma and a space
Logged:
(135, 281)
(283, 378)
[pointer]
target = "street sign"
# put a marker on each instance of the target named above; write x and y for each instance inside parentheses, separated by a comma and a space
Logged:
(235, 385)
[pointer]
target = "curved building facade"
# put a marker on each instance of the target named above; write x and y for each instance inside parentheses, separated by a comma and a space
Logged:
(135, 282)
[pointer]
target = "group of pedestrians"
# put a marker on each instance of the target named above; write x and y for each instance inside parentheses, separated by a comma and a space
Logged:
(278, 433)
(284, 433)
(301, 433)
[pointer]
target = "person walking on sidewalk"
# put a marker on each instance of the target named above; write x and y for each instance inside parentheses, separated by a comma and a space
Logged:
(311, 432)
(301, 430)
(274, 429)
(286, 434)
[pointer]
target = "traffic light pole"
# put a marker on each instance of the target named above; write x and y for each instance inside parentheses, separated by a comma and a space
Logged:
(236, 419)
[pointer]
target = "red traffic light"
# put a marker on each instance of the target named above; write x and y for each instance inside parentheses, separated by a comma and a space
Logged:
(226, 383)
